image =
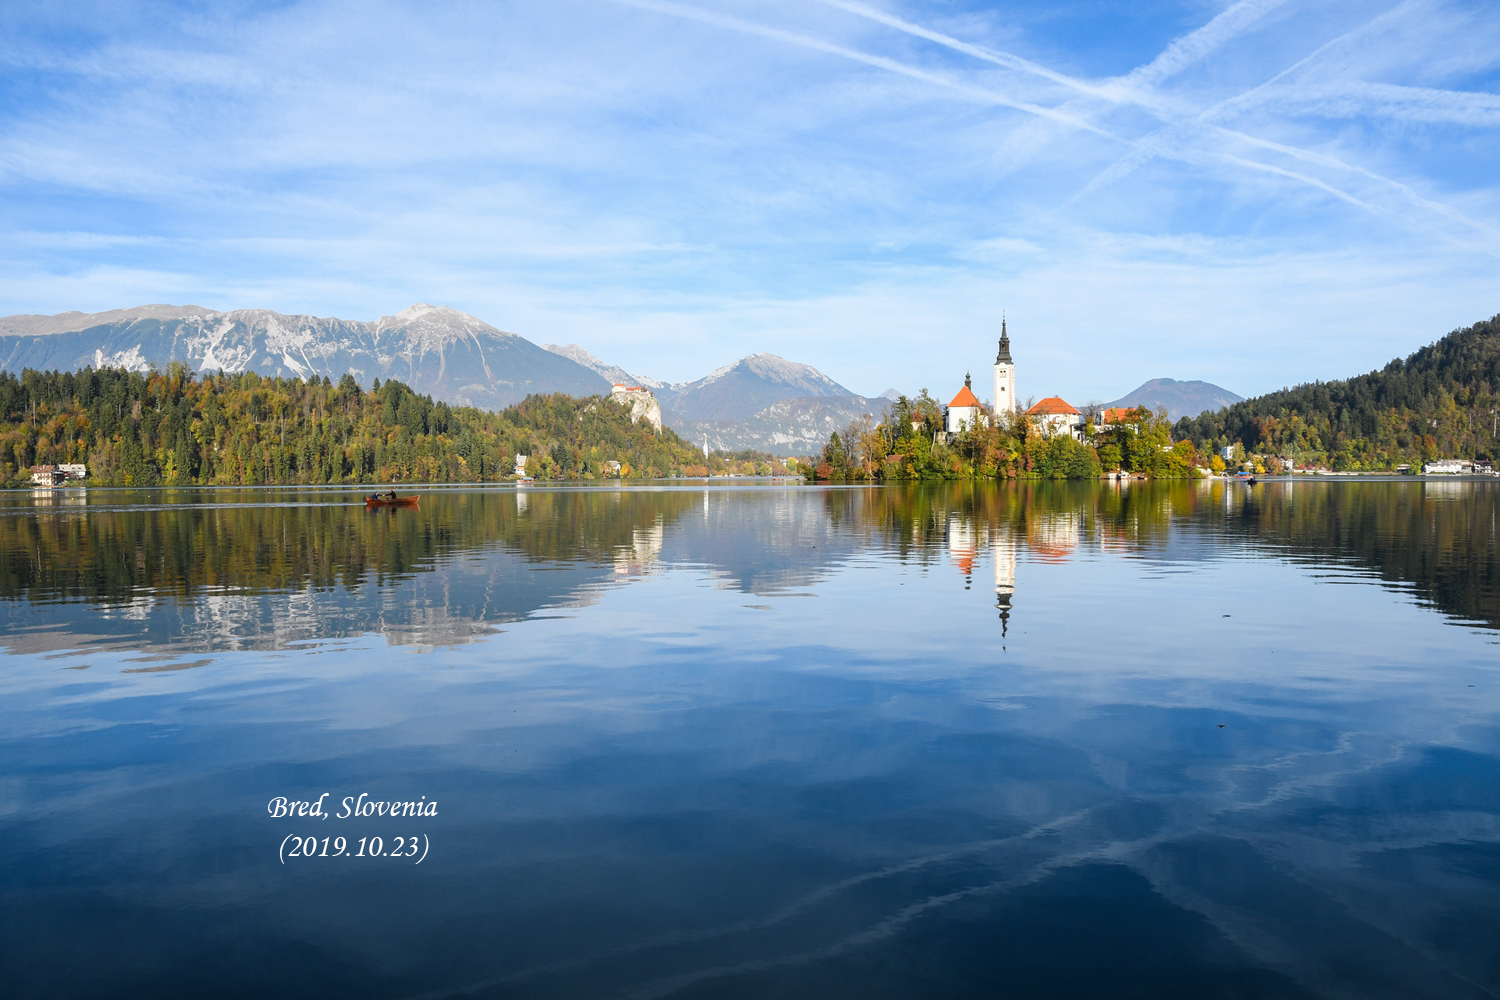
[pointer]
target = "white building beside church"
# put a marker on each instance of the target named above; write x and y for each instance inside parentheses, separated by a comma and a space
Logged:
(966, 412)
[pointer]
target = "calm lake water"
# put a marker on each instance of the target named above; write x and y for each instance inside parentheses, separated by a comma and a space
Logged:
(755, 741)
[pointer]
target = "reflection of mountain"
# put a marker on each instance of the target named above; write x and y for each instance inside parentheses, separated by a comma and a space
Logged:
(763, 542)
(198, 577)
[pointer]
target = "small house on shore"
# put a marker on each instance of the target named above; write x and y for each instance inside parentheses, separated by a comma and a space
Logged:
(57, 475)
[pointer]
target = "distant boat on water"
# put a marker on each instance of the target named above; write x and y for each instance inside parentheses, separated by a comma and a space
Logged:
(379, 501)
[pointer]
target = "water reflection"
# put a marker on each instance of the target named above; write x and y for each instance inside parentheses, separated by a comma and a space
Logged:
(1199, 741)
(263, 570)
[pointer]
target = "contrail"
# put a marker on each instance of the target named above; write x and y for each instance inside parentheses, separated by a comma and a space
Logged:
(1181, 53)
(1193, 46)
(999, 58)
(818, 45)
(1158, 143)
(1136, 87)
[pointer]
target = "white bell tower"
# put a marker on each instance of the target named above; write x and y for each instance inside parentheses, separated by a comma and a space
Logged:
(1005, 375)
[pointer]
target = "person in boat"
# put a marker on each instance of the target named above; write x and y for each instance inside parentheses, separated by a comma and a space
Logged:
(391, 495)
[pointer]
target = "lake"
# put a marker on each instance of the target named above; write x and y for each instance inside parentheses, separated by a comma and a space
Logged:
(753, 740)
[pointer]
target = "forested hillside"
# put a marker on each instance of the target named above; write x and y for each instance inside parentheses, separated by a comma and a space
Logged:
(1440, 402)
(173, 428)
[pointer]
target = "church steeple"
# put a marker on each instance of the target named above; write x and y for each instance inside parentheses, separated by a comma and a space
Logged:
(1005, 373)
(1004, 358)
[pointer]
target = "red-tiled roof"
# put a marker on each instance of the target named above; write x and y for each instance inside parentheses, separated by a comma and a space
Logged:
(1049, 406)
(1116, 414)
(965, 397)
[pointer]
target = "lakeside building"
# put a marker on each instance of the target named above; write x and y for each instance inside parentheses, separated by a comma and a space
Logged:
(966, 412)
(56, 475)
(1448, 467)
(1055, 415)
(1112, 416)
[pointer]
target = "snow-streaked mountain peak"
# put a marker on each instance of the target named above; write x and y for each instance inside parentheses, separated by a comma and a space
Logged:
(778, 369)
(433, 349)
(578, 354)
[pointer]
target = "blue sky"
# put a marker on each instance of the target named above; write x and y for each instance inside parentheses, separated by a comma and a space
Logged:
(1258, 193)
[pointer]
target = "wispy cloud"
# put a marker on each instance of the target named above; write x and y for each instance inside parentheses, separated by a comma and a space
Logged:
(675, 184)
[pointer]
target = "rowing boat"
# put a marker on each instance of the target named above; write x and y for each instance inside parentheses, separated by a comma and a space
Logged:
(387, 502)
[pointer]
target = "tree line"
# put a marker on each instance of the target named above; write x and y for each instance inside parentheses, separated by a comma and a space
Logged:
(1440, 402)
(909, 444)
(174, 428)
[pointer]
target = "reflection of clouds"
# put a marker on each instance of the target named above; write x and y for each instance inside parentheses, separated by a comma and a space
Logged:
(1295, 893)
(1249, 827)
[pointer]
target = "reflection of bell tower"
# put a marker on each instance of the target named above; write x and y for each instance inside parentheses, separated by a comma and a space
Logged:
(1005, 575)
(963, 546)
(1005, 375)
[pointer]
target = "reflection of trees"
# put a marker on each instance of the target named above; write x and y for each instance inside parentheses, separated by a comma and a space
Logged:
(116, 554)
(1051, 516)
(1438, 537)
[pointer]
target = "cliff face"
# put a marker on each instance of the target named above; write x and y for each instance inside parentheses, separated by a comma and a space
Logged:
(643, 405)
(434, 349)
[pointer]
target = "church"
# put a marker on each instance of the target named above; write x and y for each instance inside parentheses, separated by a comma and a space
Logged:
(966, 411)
(1051, 416)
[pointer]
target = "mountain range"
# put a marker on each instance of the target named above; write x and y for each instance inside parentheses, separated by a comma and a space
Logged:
(441, 352)
(761, 402)
(435, 350)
